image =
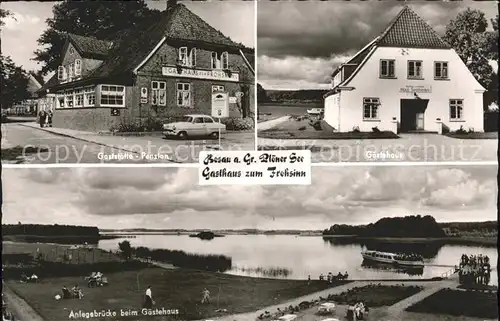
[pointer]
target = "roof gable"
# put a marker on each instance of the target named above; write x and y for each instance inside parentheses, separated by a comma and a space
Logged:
(90, 47)
(411, 31)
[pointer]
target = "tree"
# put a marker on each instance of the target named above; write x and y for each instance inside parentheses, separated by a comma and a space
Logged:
(103, 20)
(13, 83)
(125, 249)
(261, 94)
(475, 45)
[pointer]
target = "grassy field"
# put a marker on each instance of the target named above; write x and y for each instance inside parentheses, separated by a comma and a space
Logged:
(376, 295)
(172, 289)
(472, 304)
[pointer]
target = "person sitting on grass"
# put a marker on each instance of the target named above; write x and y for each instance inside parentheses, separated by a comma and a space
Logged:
(77, 292)
(65, 293)
(206, 296)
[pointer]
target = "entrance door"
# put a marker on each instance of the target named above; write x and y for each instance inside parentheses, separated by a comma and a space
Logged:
(420, 121)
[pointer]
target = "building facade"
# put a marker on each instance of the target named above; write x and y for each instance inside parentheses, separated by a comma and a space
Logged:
(406, 80)
(29, 105)
(155, 73)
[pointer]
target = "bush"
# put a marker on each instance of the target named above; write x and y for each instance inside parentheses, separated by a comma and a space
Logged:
(235, 123)
(461, 130)
(355, 130)
(375, 129)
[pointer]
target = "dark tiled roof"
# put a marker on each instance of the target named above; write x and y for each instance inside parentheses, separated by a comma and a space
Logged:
(89, 46)
(133, 45)
(186, 25)
(53, 81)
(409, 30)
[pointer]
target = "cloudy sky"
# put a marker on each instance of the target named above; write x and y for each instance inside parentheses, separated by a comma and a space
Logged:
(172, 198)
(235, 19)
(301, 43)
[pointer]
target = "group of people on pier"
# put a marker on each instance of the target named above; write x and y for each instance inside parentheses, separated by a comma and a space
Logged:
(330, 277)
(474, 269)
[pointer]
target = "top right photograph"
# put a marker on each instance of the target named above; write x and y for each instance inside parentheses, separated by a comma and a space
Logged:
(379, 81)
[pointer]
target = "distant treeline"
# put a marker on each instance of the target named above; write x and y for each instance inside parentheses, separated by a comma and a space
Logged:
(181, 259)
(49, 230)
(303, 95)
(408, 226)
(457, 227)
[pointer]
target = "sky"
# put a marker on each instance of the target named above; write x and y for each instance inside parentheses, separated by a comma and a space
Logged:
(21, 31)
(171, 198)
(300, 43)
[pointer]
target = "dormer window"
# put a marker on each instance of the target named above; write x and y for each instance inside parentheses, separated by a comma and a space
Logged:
(220, 60)
(71, 71)
(62, 73)
(187, 57)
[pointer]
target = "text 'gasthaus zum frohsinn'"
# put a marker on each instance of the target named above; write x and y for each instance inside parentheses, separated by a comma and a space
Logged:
(255, 168)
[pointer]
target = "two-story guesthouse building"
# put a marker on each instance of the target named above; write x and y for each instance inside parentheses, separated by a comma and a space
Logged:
(168, 68)
(406, 80)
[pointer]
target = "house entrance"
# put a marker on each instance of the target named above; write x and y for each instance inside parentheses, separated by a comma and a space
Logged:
(412, 115)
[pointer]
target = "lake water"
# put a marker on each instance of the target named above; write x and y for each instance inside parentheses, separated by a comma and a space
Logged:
(252, 255)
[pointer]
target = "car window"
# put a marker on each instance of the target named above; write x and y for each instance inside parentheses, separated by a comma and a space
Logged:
(187, 119)
(208, 120)
(198, 120)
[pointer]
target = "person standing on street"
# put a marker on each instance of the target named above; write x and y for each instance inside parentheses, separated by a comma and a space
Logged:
(42, 118)
(50, 114)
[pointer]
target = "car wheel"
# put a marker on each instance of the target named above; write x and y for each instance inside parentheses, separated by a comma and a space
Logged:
(214, 135)
(182, 135)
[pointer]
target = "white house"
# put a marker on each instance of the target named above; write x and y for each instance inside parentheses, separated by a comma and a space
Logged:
(406, 80)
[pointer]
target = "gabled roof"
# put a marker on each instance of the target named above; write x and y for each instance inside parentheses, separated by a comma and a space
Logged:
(135, 44)
(411, 31)
(90, 47)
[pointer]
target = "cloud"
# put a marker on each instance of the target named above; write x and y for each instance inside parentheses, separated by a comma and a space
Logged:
(297, 31)
(172, 198)
(19, 21)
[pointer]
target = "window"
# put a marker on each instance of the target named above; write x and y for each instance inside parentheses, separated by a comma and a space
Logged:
(187, 58)
(198, 120)
(159, 93)
(370, 108)
(69, 99)
(79, 97)
(78, 67)
(440, 70)
(217, 88)
(89, 96)
(183, 94)
(220, 60)
(415, 69)
(112, 96)
(60, 73)
(207, 120)
(456, 109)
(71, 50)
(71, 71)
(387, 68)
(61, 101)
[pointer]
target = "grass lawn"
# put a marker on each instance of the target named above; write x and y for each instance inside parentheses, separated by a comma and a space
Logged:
(16, 153)
(459, 303)
(376, 295)
(299, 128)
(172, 289)
(488, 135)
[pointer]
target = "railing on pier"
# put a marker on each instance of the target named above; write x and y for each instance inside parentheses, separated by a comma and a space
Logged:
(450, 272)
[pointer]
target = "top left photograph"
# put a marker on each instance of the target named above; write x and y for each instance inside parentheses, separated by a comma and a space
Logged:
(126, 82)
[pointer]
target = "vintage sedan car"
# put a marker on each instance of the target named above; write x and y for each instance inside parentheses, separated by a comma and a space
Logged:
(287, 317)
(194, 126)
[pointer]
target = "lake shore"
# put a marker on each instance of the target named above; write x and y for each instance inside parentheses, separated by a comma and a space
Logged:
(451, 240)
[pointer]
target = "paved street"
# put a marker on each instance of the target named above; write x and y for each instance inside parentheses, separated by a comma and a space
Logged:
(408, 148)
(24, 143)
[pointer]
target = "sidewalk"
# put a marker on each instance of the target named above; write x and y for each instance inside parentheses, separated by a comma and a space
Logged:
(177, 150)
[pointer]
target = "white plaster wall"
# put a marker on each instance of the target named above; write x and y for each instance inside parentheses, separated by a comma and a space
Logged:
(332, 110)
(461, 85)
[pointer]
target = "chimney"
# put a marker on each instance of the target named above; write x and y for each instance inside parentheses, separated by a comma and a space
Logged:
(171, 4)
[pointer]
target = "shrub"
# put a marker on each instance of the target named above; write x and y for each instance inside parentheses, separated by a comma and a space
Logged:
(236, 123)
(355, 129)
(461, 130)
(375, 129)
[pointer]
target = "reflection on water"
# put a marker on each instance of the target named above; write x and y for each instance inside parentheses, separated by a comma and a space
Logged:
(303, 256)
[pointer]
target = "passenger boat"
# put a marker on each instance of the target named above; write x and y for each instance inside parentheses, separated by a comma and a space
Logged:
(392, 258)
(315, 111)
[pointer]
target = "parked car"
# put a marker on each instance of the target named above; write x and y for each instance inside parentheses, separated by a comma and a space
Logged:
(331, 319)
(315, 111)
(194, 126)
(327, 307)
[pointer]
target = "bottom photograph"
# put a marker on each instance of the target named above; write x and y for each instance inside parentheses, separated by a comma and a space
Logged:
(360, 243)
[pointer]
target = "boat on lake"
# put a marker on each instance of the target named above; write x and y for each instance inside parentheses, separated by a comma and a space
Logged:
(407, 260)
